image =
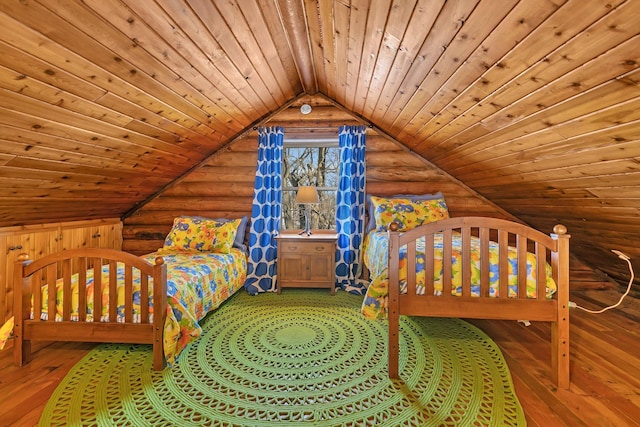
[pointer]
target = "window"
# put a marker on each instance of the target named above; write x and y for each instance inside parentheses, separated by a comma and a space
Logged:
(311, 161)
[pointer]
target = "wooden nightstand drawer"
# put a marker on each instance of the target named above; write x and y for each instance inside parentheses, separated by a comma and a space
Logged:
(306, 261)
(310, 247)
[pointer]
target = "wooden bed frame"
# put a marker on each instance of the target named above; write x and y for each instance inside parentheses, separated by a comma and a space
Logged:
(553, 249)
(30, 275)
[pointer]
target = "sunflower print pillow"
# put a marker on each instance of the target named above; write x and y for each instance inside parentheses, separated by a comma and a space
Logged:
(406, 213)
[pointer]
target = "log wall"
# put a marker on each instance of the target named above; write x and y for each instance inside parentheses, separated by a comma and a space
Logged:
(223, 185)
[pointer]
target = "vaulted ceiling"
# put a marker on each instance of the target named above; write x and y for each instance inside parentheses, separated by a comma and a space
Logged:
(534, 104)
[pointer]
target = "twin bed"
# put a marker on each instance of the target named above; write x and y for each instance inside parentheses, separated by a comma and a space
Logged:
(201, 264)
(421, 263)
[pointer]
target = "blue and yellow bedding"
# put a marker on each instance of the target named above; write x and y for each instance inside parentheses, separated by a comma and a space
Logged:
(375, 258)
(197, 282)
(206, 263)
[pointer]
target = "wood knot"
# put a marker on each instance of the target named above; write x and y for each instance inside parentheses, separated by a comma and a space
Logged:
(560, 229)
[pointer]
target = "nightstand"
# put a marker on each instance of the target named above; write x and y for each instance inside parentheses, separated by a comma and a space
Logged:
(307, 261)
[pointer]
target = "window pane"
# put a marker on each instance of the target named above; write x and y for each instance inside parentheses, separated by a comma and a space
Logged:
(310, 166)
(315, 165)
(323, 215)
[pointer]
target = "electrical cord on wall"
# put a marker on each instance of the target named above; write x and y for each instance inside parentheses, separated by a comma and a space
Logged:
(621, 256)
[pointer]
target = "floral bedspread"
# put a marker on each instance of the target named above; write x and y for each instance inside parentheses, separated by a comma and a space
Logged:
(375, 251)
(196, 284)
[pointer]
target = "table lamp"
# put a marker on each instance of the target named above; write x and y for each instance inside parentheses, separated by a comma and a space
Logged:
(307, 195)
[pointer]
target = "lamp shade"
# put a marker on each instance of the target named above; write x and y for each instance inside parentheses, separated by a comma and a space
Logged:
(306, 195)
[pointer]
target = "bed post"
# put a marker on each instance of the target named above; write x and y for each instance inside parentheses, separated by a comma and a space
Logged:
(159, 315)
(393, 302)
(560, 327)
(21, 309)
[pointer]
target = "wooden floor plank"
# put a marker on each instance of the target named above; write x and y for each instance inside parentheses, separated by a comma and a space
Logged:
(605, 368)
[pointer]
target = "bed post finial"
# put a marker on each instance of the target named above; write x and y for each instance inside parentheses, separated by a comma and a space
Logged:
(22, 257)
(159, 260)
(560, 229)
(394, 226)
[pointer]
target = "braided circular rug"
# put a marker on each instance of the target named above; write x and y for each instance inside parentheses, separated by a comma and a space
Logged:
(303, 357)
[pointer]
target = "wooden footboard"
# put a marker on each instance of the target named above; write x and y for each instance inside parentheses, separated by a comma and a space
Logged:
(553, 249)
(144, 328)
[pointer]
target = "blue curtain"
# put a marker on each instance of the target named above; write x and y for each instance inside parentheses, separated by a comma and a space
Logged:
(266, 212)
(350, 201)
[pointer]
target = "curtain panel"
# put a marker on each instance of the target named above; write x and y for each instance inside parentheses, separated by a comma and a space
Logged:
(266, 212)
(350, 204)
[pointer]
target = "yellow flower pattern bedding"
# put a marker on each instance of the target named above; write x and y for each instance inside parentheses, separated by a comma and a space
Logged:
(197, 282)
(375, 258)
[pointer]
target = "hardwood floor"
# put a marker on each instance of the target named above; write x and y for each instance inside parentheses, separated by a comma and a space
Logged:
(605, 364)
(605, 368)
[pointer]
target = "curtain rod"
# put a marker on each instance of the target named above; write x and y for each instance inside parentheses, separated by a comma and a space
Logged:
(306, 129)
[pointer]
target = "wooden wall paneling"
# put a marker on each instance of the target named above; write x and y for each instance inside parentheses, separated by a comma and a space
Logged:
(226, 174)
(105, 235)
(17, 82)
(500, 61)
(543, 86)
(41, 147)
(4, 291)
(215, 65)
(42, 239)
(198, 204)
(13, 245)
(326, 115)
(44, 73)
(295, 49)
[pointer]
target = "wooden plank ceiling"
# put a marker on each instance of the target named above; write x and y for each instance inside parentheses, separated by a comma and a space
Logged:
(535, 104)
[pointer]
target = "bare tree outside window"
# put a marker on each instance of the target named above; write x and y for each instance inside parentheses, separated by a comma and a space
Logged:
(310, 162)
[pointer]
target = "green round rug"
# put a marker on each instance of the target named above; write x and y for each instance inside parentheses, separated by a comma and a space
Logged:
(300, 358)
